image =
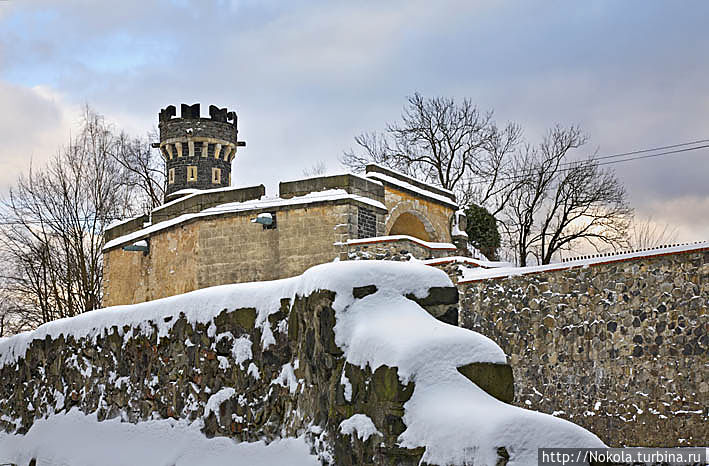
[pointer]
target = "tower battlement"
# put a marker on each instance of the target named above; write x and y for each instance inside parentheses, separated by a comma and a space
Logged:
(198, 151)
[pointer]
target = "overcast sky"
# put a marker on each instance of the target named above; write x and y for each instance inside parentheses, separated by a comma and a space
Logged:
(305, 77)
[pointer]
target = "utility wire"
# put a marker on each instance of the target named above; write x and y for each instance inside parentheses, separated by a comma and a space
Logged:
(568, 166)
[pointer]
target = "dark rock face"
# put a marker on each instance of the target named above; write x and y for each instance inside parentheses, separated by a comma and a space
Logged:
(618, 348)
(299, 384)
(495, 379)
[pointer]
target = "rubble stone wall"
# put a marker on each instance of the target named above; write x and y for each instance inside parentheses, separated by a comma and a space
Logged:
(221, 373)
(401, 249)
(620, 348)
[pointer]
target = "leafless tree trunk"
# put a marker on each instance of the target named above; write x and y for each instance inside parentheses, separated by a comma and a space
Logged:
(560, 202)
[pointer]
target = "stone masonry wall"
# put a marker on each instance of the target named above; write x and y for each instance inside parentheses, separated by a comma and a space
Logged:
(219, 372)
(435, 216)
(394, 249)
(620, 348)
(229, 248)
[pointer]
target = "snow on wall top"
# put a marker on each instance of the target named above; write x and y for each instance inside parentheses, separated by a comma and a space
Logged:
(404, 175)
(121, 221)
(471, 275)
(468, 261)
(384, 239)
(232, 207)
(190, 192)
(203, 305)
(410, 187)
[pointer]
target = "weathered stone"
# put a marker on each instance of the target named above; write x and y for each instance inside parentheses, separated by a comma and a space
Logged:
(628, 334)
(362, 291)
(495, 379)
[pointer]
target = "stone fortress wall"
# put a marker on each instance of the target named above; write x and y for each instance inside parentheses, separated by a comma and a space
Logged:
(620, 347)
(207, 237)
(219, 371)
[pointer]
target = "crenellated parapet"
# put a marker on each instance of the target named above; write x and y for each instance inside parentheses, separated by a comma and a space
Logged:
(198, 151)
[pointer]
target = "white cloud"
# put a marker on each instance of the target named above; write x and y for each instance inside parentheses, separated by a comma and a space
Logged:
(34, 122)
(689, 215)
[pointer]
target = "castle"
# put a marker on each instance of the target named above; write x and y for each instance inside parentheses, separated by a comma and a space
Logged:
(618, 344)
(208, 233)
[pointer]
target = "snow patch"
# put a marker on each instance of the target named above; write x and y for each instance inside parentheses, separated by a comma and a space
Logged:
(287, 378)
(344, 381)
(361, 425)
(79, 440)
(216, 400)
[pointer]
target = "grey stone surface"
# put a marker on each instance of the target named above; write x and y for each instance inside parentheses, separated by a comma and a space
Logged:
(132, 374)
(619, 348)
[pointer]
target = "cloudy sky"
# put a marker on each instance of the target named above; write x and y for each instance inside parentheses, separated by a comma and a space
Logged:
(305, 77)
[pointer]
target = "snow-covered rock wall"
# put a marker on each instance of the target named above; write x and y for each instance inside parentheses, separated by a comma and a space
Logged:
(345, 357)
(618, 345)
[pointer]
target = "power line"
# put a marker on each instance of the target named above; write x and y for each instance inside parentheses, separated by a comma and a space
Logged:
(672, 146)
(568, 166)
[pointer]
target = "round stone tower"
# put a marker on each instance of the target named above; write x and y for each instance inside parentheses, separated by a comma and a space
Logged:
(198, 151)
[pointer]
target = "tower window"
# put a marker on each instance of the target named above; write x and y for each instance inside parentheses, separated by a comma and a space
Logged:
(191, 173)
(171, 176)
(216, 175)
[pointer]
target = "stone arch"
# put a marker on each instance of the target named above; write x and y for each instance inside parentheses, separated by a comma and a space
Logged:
(412, 223)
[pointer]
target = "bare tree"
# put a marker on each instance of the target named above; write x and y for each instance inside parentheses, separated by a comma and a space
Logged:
(645, 233)
(55, 220)
(559, 202)
(454, 145)
(143, 169)
(317, 169)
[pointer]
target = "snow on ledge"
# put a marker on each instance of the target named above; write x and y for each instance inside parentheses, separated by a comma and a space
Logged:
(121, 221)
(410, 187)
(404, 175)
(205, 304)
(451, 417)
(233, 207)
(503, 272)
(188, 193)
(467, 261)
(361, 425)
(392, 238)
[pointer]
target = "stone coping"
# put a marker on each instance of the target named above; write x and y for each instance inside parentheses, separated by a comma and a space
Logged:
(468, 261)
(374, 168)
(394, 238)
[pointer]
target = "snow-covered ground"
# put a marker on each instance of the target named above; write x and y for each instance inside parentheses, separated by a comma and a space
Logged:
(447, 414)
(76, 439)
